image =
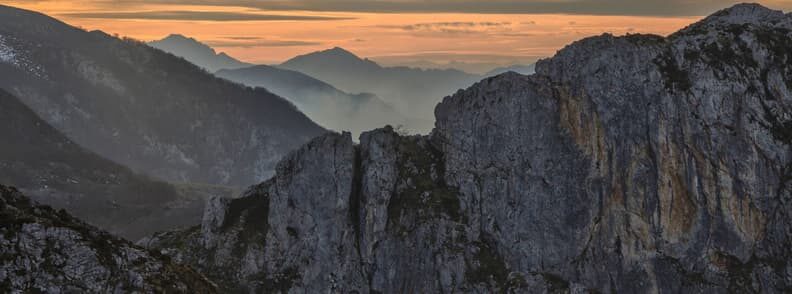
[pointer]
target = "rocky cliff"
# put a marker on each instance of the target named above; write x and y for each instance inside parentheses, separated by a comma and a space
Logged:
(625, 164)
(47, 251)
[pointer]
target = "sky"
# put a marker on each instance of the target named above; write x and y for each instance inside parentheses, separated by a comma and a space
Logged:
(389, 31)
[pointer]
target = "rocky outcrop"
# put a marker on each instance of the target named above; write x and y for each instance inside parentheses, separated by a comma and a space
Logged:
(47, 251)
(625, 164)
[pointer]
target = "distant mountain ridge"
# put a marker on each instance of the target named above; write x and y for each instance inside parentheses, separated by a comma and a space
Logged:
(405, 96)
(322, 102)
(413, 91)
(145, 108)
(53, 170)
(198, 53)
(518, 68)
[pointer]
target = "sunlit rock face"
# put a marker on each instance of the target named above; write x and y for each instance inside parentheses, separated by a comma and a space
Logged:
(625, 164)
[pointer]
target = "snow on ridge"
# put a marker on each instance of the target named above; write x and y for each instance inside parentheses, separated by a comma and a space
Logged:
(7, 54)
(15, 57)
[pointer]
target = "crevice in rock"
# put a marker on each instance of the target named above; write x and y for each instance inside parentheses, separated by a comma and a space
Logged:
(355, 195)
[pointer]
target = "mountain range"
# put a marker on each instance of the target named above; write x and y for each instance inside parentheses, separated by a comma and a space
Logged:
(624, 164)
(143, 108)
(322, 102)
(633, 164)
(52, 169)
(408, 95)
(518, 68)
(414, 92)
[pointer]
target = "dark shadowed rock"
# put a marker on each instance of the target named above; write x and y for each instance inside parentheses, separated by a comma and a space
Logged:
(43, 250)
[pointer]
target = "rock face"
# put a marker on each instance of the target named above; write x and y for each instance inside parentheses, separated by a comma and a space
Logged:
(47, 251)
(625, 164)
(144, 108)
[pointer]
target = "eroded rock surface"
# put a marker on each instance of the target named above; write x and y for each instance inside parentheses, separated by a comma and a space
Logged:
(625, 164)
(43, 250)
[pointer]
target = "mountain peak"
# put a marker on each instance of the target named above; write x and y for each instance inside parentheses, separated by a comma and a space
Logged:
(745, 13)
(196, 52)
(339, 50)
(174, 39)
(335, 53)
(335, 56)
(177, 36)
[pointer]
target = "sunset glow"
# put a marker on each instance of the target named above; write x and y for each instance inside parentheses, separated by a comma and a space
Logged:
(271, 36)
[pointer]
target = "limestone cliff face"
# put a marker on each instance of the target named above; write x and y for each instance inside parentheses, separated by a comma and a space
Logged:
(47, 251)
(626, 164)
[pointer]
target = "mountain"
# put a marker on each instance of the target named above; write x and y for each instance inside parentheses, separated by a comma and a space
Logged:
(53, 170)
(414, 92)
(634, 164)
(43, 250)
(144, 108)
(473, 67)
(518, 68)
(322, 102)
(198, 53)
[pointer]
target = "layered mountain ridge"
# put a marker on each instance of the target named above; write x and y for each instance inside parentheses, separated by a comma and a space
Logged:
(144, 108)
(625, 164)
(412, 91)
(51, 169)
(328, 106)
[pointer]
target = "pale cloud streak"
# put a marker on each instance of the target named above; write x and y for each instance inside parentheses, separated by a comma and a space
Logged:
(198, 16)
(584, 7)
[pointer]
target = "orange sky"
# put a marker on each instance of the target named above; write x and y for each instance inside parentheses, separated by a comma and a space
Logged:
(439, 37)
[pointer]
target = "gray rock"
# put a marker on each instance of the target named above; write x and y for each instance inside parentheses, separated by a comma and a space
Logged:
(47, 251)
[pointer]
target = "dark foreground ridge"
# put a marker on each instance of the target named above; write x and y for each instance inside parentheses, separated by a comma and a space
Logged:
(43, 250)
(625, 164)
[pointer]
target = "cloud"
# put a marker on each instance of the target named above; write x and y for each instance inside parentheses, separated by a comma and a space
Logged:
(596, 7)
(452, 27)
(253, 42)
(242, 38)
(587, 7)
(198, 16)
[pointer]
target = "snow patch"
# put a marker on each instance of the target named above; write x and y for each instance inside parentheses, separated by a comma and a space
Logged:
(7, 54)
(16, 58)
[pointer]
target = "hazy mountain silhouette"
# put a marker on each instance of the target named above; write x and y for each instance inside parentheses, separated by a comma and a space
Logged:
(322, 102)
(52, 169)
(518, 68)
(145, 108)
(414, 92)
(198, 53)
